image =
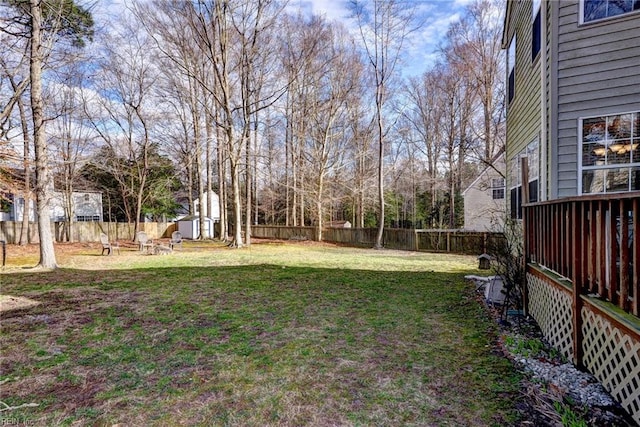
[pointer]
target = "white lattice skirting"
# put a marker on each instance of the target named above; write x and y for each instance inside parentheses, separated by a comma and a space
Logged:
(609, 353)
(552, 310)
(614, 358)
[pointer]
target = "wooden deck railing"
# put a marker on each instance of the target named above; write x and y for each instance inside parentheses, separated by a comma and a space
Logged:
(593, 241)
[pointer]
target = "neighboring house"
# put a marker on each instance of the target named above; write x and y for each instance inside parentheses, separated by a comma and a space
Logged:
(87, 207)
(189, 225)
(573, 115)
(484, 199)
(214, 206)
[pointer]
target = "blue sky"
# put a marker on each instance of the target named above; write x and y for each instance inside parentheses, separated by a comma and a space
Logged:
(421, 51)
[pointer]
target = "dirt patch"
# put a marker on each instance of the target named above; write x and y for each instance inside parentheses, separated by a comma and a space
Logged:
(8, 303)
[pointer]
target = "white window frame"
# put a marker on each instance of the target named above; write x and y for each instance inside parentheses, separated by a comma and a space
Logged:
(532, 153)
(592, 21)
(498, 184)
(634, 161)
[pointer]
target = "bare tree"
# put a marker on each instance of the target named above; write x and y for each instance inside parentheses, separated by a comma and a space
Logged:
(44, 182)
(230, 35)
(473, 47)
(384, 26)
(335, 77)
(69, 136)
(423, 115)
(363, 162)
(303, 42)
(11, 74)
(125, 112)
(186, 77)
(45, 24)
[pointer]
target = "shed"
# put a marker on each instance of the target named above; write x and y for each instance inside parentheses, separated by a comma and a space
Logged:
(338, 224)
(189, 227)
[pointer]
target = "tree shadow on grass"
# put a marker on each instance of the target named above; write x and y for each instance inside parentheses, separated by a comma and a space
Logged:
(255, 343)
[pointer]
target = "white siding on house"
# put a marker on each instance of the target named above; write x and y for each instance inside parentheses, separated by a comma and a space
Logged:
(481, 211)
(87, 206)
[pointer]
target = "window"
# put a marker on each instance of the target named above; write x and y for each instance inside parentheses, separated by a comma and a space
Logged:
(5, 204)
(511, 63)
(536, 36)
(497, 188)
(531, 152)
(610, 147)
(593, 10)
(87, 218)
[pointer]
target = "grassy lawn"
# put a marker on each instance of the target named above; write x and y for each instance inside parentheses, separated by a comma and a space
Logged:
(278, 334)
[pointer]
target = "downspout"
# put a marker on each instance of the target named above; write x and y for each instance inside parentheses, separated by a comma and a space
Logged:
(544, 98)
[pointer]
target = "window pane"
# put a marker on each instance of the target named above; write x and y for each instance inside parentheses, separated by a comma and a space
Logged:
(536, 37)
(514, 171)
(511, 58)
(593, 154)
(617, 180)
(593, 181)
(532, 160)
(594, 129)
(594, 9)
(619, 153)
(635, 179)
(512, 82)
(516, 206)
(533, 191)
(619, 127)
(598, 9)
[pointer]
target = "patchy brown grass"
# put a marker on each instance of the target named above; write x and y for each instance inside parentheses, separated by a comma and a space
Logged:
(276, 334)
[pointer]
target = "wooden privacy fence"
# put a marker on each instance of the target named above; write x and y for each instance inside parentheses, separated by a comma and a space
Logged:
(583, 285)
(85, 231)
(454, 241)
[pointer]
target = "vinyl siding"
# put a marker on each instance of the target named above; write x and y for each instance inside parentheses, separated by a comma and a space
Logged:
(481, 211)
(597, 74)
(523, 114)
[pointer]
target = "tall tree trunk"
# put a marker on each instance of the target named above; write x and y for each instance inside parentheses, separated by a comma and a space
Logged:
(209, 163)
(24, 229)
(237, 205)
(378, 243)
(222, 184)
(44, 183)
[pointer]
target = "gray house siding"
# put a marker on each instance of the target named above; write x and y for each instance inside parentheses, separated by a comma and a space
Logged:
(597, 74)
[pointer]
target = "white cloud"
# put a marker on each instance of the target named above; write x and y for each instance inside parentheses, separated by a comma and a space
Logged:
(332, 10)
(420, 50)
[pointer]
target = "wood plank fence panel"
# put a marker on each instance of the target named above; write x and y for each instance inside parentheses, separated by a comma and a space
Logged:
(85, 231)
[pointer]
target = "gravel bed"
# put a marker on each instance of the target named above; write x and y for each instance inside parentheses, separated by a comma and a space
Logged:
(553, 379)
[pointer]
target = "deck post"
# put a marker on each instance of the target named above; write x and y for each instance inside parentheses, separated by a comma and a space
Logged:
(575, 244)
